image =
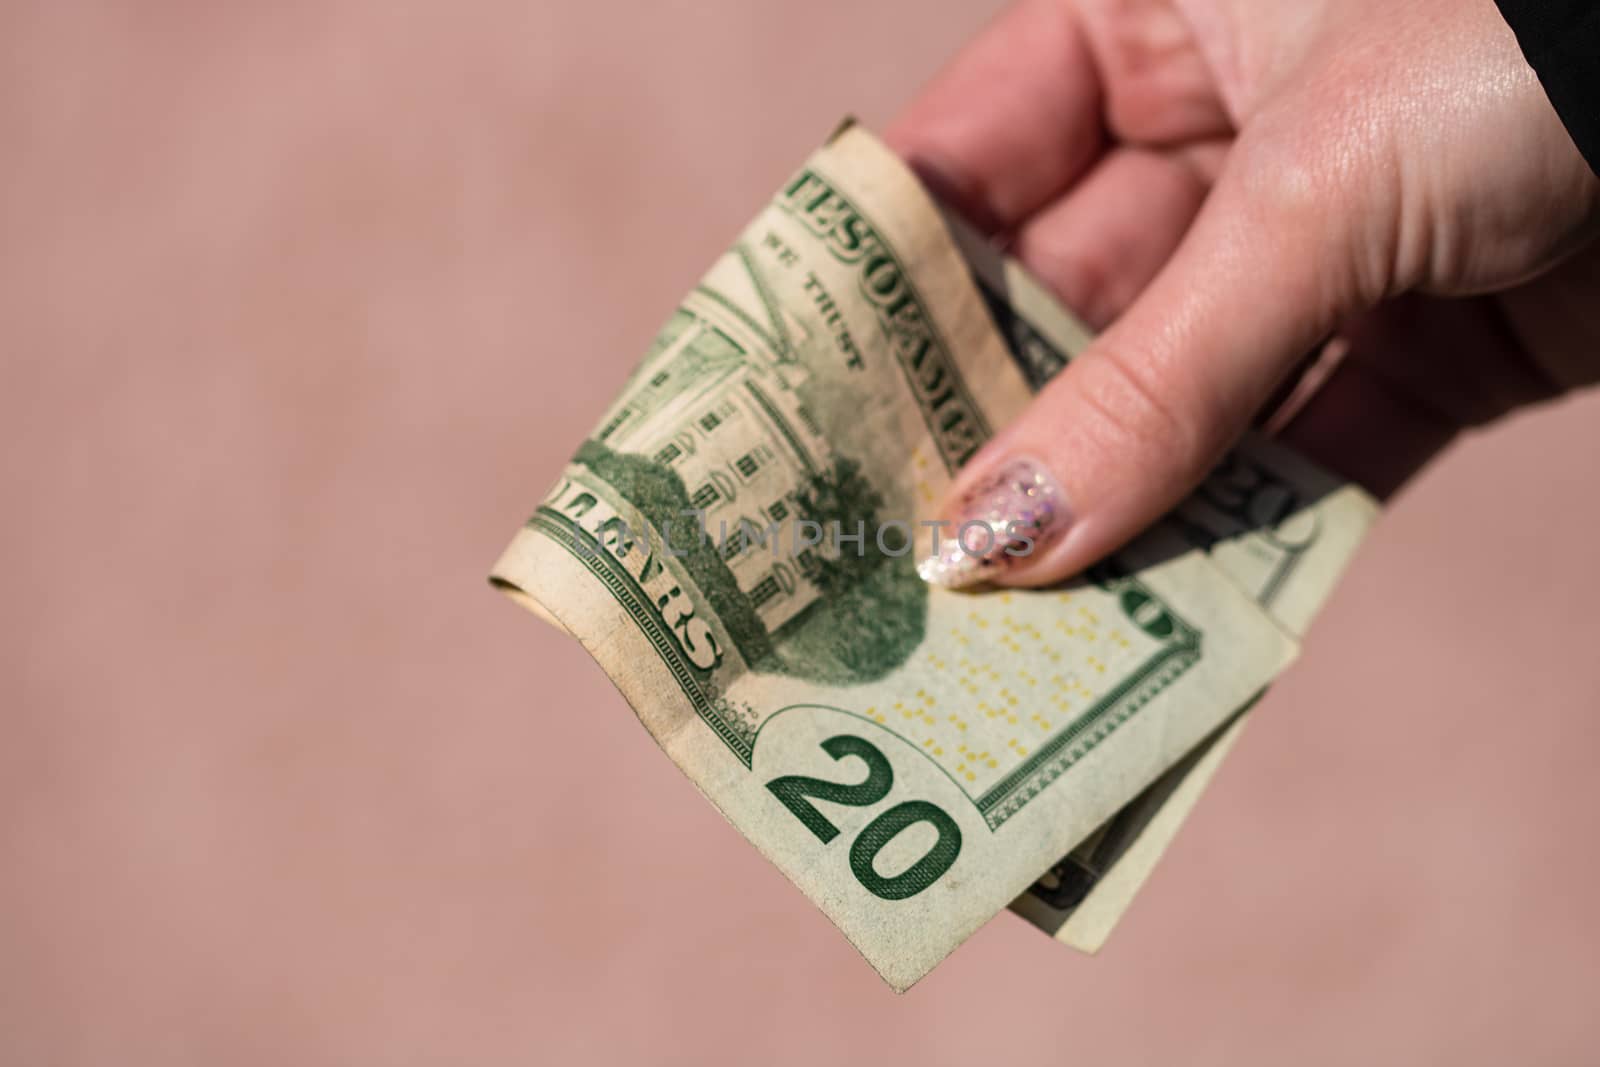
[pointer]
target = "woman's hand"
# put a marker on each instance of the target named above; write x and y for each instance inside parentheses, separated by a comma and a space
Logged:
(1223, 184)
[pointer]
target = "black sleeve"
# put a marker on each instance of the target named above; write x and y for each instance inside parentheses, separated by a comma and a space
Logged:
(1561, 39)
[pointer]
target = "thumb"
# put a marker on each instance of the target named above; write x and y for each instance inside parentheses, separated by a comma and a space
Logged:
(1133, 424)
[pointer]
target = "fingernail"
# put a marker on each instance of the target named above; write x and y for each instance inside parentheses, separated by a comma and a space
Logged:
(1004, 521)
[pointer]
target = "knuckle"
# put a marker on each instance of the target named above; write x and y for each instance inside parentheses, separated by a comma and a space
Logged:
(1309, 201)
(1175, 430)
(1287, 176)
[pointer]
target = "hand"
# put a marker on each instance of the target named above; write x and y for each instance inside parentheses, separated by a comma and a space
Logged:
(1223, 184)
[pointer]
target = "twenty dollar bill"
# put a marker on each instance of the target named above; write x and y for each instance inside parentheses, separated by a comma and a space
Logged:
(911, 758)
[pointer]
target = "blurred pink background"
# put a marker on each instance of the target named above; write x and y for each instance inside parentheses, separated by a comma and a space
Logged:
(303, 304)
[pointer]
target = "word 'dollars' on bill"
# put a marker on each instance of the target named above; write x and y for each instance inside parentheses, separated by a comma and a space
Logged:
(737, 542)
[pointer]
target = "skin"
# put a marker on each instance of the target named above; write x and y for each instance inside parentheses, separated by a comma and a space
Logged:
(1222, 185)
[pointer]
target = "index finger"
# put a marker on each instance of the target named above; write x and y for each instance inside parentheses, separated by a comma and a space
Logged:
(1012, 121)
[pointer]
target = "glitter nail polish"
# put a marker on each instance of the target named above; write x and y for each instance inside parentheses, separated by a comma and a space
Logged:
(1006, 519)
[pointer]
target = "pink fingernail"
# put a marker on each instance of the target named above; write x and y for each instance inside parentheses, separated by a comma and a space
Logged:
(1005, 520)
